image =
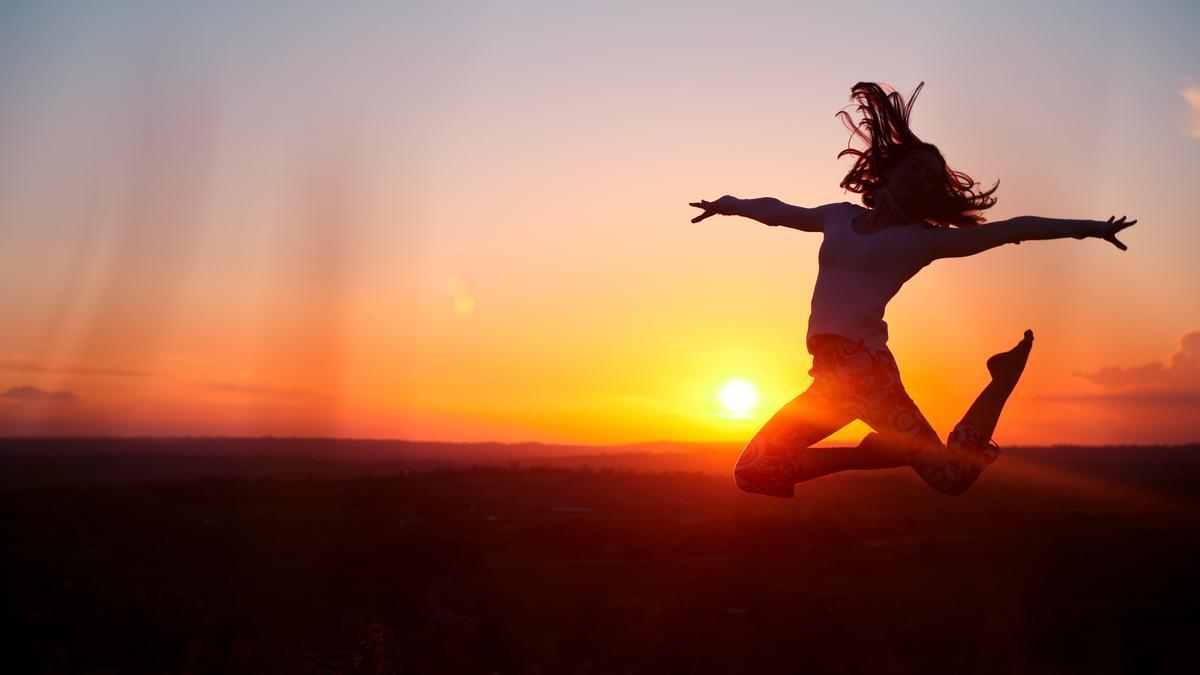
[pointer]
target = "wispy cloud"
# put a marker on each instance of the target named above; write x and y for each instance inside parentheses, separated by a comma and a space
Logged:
(1183, 370)
(1173, 382)
(28, 393)
(264, 391)
(1191, 94)
(1170, 398)
(28, 366)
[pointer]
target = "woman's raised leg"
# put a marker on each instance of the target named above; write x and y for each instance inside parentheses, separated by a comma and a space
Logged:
(905, 434)
(952, 467)
(979, 423)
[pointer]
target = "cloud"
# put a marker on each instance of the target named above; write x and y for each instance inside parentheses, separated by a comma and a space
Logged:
(1191, 94)
(260, 390)
(28, 393)
(1174, 382)
(1189, 399)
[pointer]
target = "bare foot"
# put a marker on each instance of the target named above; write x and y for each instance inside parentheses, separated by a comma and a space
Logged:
(1006, 367)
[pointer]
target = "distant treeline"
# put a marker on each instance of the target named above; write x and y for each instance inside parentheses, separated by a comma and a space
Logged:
(337, 448)
(119, 459)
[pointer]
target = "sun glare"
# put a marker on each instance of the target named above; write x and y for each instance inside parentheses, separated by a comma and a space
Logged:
(738, 397)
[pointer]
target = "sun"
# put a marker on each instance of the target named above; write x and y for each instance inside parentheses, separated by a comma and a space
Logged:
(738, 397)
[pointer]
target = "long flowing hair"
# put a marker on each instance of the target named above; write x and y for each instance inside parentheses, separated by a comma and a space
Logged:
(885, 129)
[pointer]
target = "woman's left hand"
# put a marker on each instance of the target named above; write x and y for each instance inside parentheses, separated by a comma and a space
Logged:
(1109, 230)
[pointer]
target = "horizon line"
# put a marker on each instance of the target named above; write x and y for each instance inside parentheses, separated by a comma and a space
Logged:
(504, 443)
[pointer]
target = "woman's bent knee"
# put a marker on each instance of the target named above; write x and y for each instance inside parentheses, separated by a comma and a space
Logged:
(761, 472)
(755, 481)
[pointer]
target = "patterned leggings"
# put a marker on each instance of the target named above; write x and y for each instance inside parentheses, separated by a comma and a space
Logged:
(852, 381)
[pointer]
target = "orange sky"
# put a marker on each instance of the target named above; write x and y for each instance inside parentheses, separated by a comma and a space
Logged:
(416, 223)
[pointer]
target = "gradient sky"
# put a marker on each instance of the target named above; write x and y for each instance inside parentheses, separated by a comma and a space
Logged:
(470, 221)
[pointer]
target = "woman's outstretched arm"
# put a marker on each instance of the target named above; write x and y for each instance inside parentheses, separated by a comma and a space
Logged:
(959, 242)
(766, 210)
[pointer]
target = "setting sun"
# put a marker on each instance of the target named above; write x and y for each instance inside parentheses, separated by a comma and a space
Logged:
(737, 398)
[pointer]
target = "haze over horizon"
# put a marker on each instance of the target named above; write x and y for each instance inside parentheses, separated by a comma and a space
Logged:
(469, 222)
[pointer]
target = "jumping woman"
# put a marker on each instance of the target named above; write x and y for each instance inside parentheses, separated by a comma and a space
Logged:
(916, 210)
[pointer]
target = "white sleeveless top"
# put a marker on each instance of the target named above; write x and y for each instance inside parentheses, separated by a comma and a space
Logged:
(859, 274)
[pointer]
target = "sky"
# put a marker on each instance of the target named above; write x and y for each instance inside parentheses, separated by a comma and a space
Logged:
(469, 221)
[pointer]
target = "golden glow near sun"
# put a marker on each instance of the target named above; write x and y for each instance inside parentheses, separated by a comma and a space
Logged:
(738, 397)
(463, 301)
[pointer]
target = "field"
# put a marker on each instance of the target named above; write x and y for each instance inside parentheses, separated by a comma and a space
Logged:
(140, 559)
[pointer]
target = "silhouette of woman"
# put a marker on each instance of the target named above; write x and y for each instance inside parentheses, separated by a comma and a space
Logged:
(917, 210)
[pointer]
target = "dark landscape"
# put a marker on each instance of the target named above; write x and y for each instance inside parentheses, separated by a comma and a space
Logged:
(325, 556)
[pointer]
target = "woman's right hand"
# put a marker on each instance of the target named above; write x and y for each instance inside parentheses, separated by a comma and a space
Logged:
(723, 206)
